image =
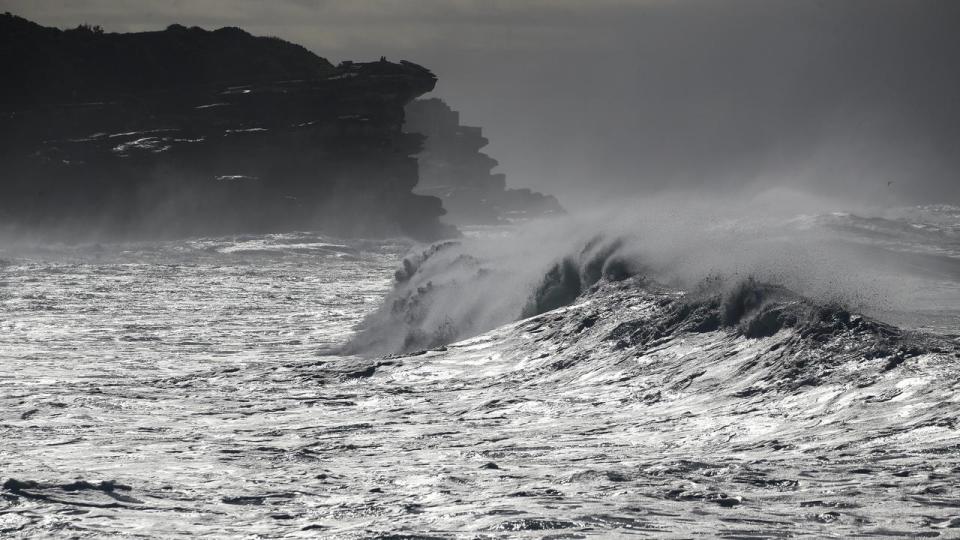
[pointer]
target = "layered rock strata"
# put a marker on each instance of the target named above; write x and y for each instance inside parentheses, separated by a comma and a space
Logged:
(453, 168)
(187, 131)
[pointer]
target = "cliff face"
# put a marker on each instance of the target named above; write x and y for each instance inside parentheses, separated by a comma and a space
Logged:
(187, 131)
(453, 168)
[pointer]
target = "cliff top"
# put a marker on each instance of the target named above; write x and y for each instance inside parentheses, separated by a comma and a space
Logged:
(85, 63)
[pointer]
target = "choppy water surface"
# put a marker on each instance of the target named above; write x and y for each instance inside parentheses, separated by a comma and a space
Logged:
(171, 367)
(183, 388)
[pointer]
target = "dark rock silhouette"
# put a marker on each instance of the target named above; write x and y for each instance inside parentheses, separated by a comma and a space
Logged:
(188, 131)
(453, 168)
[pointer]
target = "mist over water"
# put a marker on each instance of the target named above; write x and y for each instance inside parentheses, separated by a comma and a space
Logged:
(890, 263)
(746, 325)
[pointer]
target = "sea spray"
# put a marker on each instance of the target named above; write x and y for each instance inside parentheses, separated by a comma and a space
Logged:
(458, 289)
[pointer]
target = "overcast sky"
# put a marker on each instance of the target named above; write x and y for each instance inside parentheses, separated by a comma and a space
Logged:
(603, 98)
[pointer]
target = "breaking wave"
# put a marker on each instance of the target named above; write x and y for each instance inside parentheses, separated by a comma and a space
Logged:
(755, 273)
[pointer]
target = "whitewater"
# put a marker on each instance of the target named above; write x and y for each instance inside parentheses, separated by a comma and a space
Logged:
(741, 378)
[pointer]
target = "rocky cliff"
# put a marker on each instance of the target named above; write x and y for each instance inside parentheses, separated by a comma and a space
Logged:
(453, 168)
(187, 131)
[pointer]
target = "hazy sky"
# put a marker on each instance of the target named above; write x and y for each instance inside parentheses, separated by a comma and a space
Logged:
(604, 97)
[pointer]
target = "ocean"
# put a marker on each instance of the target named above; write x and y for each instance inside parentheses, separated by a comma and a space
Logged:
(296, 385)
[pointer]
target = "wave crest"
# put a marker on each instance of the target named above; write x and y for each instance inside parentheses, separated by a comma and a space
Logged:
(754, 275)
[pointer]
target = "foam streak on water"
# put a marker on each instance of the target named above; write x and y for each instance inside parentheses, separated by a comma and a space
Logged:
(167, 367)
(183, 389)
